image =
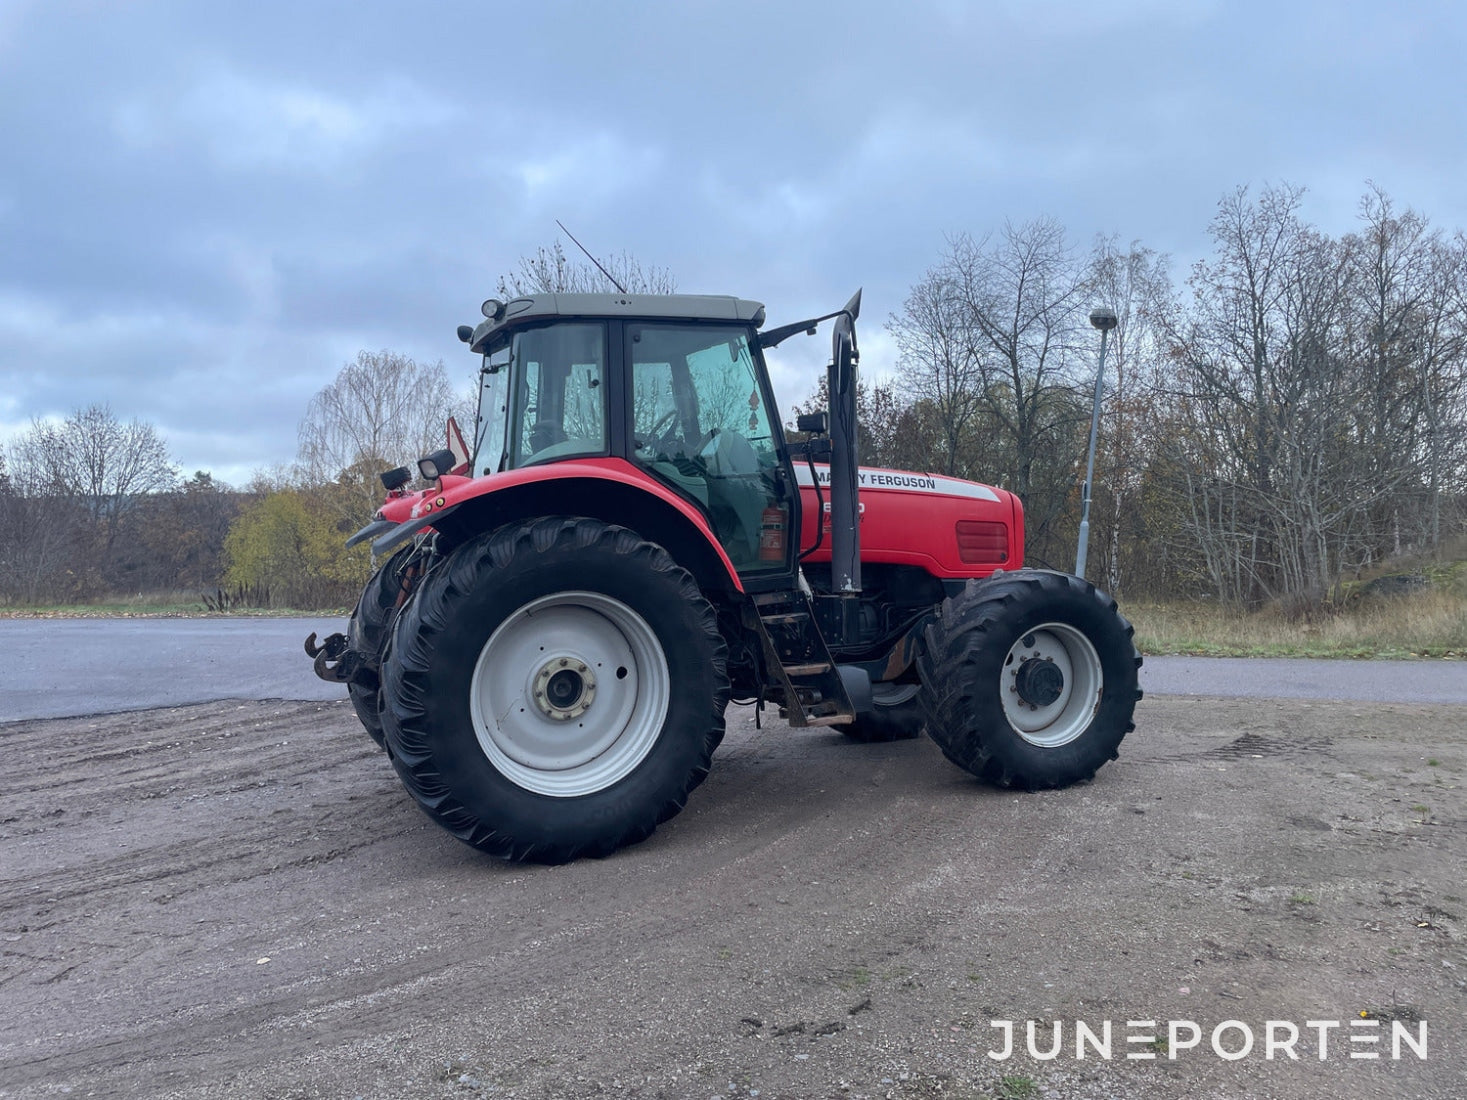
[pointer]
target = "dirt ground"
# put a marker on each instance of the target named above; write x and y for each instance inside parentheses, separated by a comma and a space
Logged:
(239, 900)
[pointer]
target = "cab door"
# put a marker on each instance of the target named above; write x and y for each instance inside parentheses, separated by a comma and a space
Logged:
(703, 422)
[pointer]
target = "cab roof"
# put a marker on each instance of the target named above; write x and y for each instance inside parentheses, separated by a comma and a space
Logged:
(656, 307)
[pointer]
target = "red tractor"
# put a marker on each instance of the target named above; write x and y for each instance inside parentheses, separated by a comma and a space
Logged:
(630, 543)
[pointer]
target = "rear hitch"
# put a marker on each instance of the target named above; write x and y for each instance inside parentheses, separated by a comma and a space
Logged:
(336, 662)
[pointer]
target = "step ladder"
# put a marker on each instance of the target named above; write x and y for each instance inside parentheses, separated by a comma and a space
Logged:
(797, 656)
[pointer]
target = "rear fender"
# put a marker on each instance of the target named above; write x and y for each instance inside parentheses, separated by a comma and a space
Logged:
(609, 489)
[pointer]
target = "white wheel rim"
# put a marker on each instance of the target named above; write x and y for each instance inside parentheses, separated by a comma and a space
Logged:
(605, 711)
(1039, 720)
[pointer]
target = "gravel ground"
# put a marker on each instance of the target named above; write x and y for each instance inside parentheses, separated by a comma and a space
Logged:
(238, 899)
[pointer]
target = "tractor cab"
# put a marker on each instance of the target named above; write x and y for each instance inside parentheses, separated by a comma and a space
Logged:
(674, 385)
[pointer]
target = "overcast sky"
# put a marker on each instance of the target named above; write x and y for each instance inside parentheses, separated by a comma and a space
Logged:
(206, 209)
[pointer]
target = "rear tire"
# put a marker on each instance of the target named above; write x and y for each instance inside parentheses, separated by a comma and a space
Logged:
(1030, 679)
(897, 715)
(555, 689)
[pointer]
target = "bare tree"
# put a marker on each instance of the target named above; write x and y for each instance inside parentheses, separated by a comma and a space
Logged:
(382, 410)
(987, 346)
(106, 465)
(1136, 284)
(938, 361)
(551, 271)
(179, 542)
(1303, 392)
(72, 488)
(43, 528)
(879, 415)
(1410, 340)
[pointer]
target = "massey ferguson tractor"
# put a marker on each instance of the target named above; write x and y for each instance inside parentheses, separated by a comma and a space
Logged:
(629, 543)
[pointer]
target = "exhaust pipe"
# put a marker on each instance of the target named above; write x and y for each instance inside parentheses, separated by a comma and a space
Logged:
(845, 519)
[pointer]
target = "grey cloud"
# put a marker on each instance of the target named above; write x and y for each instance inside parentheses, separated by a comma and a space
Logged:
(205, 212)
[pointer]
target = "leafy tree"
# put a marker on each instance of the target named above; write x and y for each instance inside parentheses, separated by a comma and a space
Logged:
(289, 543)
(878, 415)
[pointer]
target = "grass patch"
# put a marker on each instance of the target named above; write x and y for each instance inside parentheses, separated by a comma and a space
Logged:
(1017, 1088)
(1431, 623)
(857, 977)
(158, 605)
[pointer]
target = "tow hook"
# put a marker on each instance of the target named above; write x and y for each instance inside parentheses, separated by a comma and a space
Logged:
(336, 662)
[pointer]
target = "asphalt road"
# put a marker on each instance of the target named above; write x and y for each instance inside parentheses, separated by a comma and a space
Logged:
(64, 668)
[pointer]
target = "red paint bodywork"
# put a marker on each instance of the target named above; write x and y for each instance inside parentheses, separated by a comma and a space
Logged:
(899, 526)
(918, 526)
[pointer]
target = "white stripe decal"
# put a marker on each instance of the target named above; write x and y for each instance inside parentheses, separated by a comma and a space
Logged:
(904, 481)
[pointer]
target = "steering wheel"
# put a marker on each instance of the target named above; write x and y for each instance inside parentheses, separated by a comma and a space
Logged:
(661, 433)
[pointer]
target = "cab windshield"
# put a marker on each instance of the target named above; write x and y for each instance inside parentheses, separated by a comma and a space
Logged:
(493, 417)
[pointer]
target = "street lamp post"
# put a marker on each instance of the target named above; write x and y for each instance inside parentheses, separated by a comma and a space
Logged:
(1104, 319)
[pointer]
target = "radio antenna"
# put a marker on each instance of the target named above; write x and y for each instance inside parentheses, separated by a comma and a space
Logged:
(590, 257)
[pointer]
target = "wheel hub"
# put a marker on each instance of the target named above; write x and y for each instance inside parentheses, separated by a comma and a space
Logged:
(1051, 684)
(1039, 682)
(564, 688)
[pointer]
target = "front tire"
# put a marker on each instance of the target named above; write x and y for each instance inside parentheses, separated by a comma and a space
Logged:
(897, 715)
(1030, 679)
(556, 689)
(382, 596)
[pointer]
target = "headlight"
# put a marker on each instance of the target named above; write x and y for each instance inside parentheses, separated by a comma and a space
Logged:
(435, 465)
